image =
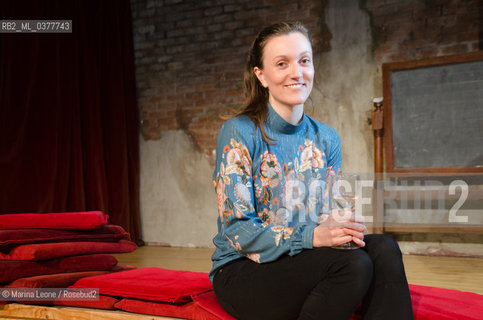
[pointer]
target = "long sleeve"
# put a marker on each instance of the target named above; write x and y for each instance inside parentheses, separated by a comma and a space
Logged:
(239, 222)
(335, 152)
(270, 195)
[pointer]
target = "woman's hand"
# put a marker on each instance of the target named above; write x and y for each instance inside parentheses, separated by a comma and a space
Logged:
(336, 229)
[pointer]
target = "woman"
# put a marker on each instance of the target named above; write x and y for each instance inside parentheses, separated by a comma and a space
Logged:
(272, 259)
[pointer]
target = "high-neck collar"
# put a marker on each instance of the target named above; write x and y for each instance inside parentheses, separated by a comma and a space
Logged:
(279, 124)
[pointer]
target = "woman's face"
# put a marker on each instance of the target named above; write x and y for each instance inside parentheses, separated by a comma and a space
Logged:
(288, 71)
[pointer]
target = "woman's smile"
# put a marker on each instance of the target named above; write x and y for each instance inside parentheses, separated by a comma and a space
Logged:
(287, 73)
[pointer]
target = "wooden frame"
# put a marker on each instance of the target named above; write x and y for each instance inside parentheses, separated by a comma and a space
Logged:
(385, 168)
(387, 69)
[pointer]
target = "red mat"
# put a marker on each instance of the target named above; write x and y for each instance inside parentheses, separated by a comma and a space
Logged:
(11, 238)
(61, 280)
(44, 251)
(154, 284)
(157, 286)
(445, 304)
(188, 310)
(57, 280)
(61, 220)
(14, 269)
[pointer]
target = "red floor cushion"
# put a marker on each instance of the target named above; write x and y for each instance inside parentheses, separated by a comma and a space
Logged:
(60, 220)
(57, 280)
(155, 284)
(161, 285)
(209, 302)
(9, 239)
(429, 303)
(104, 302)
(445, 304)
(189, 310)
(14, 269)
(61, 280)
(44, 251)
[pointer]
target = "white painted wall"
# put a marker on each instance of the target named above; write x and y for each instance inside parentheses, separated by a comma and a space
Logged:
(346, 83)
(178, 201)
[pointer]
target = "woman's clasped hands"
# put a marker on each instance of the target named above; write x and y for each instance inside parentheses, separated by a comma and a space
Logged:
(339, 227)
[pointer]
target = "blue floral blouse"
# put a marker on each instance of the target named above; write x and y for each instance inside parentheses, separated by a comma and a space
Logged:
(269, 196)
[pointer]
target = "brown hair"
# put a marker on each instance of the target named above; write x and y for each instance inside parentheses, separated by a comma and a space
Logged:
(256, 96)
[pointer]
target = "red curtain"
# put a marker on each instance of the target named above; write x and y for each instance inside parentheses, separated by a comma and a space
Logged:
(68, 113)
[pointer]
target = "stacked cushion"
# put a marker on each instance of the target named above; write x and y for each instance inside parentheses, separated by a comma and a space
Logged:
(60, 220)
(54, 250)
(10, 239)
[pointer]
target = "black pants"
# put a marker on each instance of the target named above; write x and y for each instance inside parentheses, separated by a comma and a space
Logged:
(320, 283)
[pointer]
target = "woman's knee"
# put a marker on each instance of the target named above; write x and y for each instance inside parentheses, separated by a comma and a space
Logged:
(387, 258)
(360, 270)
(382, 245)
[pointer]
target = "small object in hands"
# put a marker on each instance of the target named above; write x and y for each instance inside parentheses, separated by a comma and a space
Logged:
(343, 197)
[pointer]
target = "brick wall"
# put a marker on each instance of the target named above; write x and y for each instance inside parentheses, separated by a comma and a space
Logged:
(190, 58)
(190, 54)
(417, 29)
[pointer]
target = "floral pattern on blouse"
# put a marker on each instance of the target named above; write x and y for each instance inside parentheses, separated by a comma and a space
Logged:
(270, 170)
(311, 157)
(272, 177)
(269, 195)
(238, 162)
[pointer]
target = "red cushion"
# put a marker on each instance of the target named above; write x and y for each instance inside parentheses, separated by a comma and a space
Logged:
(61, 220)
(445, 304)
(57, 280)
(209, 302)
(12, 238)
(44, 251)
(429, 303)
(104, 302)
(14, 269)
(61, 280)
(154, 284)
(188, 310)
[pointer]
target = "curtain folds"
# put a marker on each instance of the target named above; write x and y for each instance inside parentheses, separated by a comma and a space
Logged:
(68, 113)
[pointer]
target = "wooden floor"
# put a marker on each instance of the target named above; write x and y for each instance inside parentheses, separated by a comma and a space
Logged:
(458, 273)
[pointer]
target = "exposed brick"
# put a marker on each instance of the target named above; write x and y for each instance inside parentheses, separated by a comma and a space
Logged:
(194, 95)
(184, 23)
(175, 65)
(190, 55)
(213, 11)
(223, 18)
(439, 27)
(245, 32)
(214, 95)
(171, 2)
(438, 3)
(426, 12)
(227, 34)
(214, 28)
(232, 25)
(455, 49)
(193, 14)
(232, 7)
